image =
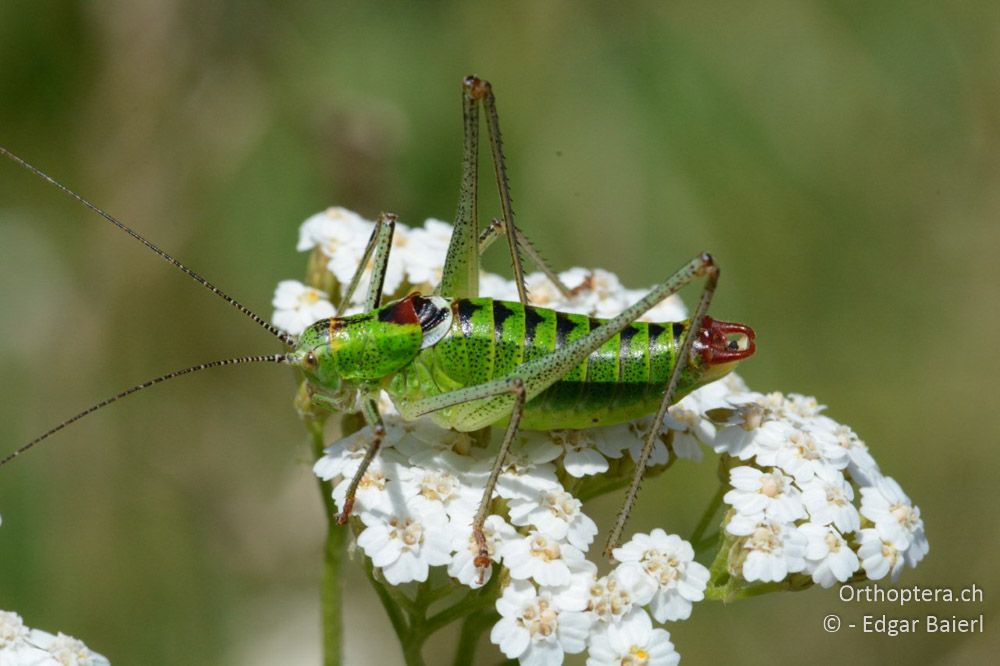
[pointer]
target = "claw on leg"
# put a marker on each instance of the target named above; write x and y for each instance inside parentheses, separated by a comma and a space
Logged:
(483, 561)
(344, 515)
(378, 434)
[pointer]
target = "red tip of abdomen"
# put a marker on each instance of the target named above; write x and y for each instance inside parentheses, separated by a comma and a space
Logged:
(724, 342)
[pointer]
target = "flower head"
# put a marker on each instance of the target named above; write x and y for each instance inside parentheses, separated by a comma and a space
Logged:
(534, 629)
(829, 558)
(771, 549)
(666, 561)
(633, 642)
(405, 546)
(296, 306)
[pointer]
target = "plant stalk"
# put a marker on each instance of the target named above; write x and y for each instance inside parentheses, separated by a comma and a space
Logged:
(331, 585)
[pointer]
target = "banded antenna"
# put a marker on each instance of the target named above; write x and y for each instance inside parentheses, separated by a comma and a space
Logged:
(272, 358)
(286, 339)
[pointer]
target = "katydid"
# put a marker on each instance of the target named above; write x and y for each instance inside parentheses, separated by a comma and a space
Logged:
(471, 362)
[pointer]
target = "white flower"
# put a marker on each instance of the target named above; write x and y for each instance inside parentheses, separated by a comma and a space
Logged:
(440, 489)
(375, 491)
(720, 393)
(771, 494)
(596, 293)
(296, 306)
(575, 595)
(12, 629)
(64, 650)
(425, 254)
(405, 546)
(772, 549)
(332, 230)
(342, 236)
(860, 464)
(492, 285)
(659, 455)
(536, 556)
(558, 515)
(544, 293)
(430, 445)
(21, 646)
(880, 557)
(669, 562)
(633, 642)
(581, 457)
(750, 428)
(690, 429)
(613, 440)
(802, 454)
(828, 556)
(804, 406)
(669, 309)
(615, 595)
(828, 497)
(463, 563)
(343, 457)
(895, 517)
(534, 629)
(528, 469)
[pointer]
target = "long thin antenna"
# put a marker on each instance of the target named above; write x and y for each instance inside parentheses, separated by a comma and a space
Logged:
(287, 339)
(271, 358)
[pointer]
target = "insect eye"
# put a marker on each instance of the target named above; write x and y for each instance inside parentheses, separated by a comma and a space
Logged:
(311, 360)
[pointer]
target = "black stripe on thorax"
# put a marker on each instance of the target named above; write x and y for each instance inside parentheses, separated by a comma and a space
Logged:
(429, 314)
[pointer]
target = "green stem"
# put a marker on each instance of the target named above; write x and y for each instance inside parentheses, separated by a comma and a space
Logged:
(331, 590)
(595, 486)
(332, 594)
(401, 600)
(472, 630)
(726, 593)
(440, 592)
(412, 653)
(706, 517)
(392, 609)
(702, 546)
(465, 608)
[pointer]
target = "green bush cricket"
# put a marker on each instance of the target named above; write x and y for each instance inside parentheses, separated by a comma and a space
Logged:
(470, 362)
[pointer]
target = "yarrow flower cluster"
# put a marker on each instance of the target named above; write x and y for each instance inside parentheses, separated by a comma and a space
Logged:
(22, 646)
(793, 498)
(794, 480)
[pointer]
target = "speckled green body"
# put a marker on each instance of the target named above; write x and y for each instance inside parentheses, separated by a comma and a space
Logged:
(361, 349)
(622, 380)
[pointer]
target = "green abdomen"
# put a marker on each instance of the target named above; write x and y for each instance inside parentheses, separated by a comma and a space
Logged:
(622, 380)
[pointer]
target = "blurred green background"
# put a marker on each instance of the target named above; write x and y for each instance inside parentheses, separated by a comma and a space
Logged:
(839, 159)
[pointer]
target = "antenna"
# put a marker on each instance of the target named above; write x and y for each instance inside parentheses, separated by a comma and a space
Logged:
(271, 358)
(288, 340)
